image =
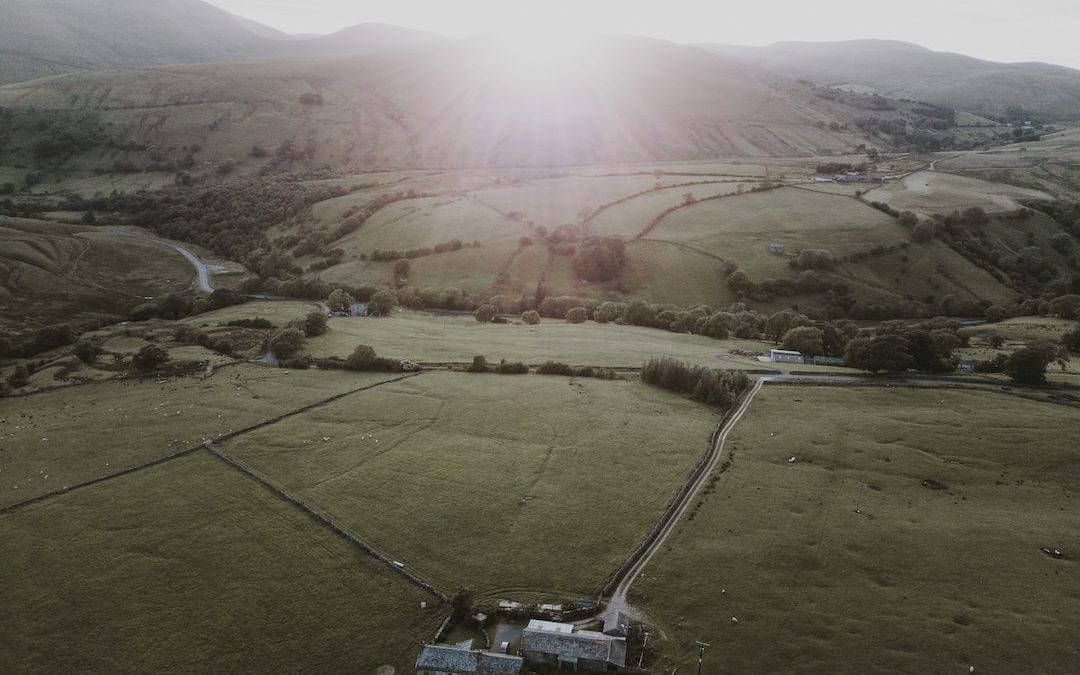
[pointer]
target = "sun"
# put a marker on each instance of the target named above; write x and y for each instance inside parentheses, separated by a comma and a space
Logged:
(540, 48)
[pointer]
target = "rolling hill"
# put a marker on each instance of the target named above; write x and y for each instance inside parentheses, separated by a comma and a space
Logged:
(905, 70)
(40, 38)
(445, 104)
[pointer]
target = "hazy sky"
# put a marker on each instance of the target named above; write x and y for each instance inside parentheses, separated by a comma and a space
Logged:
(1000, 30)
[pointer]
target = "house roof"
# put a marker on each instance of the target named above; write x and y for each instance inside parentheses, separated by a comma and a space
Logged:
(582, 644)
(450, 659)
(617, 624)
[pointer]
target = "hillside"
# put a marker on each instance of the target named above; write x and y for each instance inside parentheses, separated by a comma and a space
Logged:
(905, 70)
(80, 273)
(447, 104)
(40, 38)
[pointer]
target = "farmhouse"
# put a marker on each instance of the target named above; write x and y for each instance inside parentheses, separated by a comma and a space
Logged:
(785, 356)
(462, 659)
(550, 644)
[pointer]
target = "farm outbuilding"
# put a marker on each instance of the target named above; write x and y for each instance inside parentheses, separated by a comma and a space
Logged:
(785, 356)
(461, 660)
(558, 645)
(776, 248)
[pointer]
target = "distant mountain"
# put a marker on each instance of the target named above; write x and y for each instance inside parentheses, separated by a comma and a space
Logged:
(905, 70)
(39, 38)
(359, 40)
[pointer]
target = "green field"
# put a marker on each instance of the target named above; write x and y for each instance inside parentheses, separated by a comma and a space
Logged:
(628, 218)
(65, 437)
(927, 192)
(844, 562)
(506, 484)
(193, 567)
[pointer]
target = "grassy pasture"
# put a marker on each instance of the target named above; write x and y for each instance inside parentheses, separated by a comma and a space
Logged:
(438, 338)
(935, 192)
(920, 580)
(741, 228)
(1025, 328)
(926, 269)
(503, 483)
(556, 201)
(192, 566)
(628, 218)
(429, 221)
(71, 435)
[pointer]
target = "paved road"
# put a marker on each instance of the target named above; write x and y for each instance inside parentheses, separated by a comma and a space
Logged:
(200, 266)
(618, 601)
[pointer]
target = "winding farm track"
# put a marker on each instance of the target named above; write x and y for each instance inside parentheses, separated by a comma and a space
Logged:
(200, 267)
(618, 602)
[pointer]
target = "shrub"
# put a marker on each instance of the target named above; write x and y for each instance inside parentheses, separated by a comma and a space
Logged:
(86, 351)
(812, 259)
(362, 358)
(287, 342)
(511, 368)
(479, 365)
(577, 315)
(600, 258)
(805, 339)
(340, 301)
(485, 313)
(250, 323)
(382, 303)
(150, 357)
(20, 377)
(314, 324)
(924, 231)
(531, 317)
(705, 385)
(606, 312)
(554, 368)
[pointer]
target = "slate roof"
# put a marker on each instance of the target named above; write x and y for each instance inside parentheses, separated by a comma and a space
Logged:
(583, 644)
(617, 624)
(448, 659)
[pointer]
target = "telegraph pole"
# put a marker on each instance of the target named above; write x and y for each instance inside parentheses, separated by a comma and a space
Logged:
(701, 654)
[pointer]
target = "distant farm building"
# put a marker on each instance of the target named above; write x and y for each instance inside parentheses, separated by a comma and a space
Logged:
(776, 248)
(558, 645)
(828, 361)
(785, 356)
(965, 366)
(462, 659)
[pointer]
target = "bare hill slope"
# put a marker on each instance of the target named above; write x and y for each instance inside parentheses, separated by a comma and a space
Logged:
(907, 70)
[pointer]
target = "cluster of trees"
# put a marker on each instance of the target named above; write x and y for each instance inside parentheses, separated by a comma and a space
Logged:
(40, 340)
(229, 220)
(706, 385)
(929, 351)
(558, 368)
(287, 342)
(1028, 365)
(504, 367)
(380, 255)
(600, 258)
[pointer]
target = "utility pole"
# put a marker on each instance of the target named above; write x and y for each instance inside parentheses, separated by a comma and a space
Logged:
(701, 654)
(641, 657)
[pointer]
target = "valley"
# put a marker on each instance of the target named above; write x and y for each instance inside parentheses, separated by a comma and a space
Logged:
(362, 351)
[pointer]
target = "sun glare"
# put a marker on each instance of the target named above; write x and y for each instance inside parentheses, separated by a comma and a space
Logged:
(541, 48)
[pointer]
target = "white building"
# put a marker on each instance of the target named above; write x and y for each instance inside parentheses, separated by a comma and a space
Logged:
(785, 356)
